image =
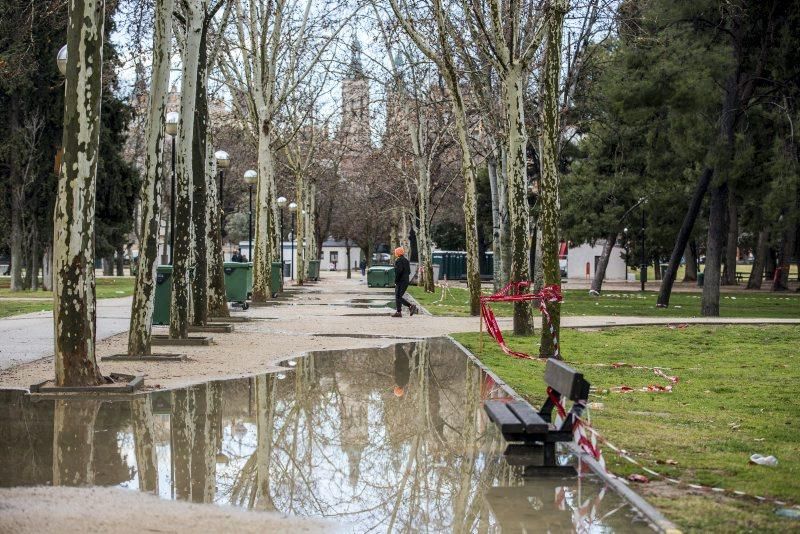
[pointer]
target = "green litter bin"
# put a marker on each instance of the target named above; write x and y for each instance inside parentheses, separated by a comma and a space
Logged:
(238, 281)
(380, 276)
(163, 298)
(313, 270)
(276, 280)
(700, 279)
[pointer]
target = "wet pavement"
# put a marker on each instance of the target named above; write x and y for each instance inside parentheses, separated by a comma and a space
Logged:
(390, 439)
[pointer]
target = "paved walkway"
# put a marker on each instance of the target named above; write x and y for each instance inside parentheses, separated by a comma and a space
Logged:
(29, 337)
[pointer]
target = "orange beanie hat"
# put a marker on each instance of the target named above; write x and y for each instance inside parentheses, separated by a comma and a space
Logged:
(399, 251)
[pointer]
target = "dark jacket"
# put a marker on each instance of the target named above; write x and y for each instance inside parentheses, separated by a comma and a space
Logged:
(402, 270)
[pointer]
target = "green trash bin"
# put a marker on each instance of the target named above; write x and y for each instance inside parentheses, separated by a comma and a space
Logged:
(275, 280)
(238, 281)
(380, 276)
(163, 297)
(700, 279)
(313, 270)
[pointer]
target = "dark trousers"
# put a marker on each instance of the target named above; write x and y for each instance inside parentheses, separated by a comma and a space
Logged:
(399, 291)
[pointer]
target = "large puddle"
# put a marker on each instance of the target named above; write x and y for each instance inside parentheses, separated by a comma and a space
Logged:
(386, 440)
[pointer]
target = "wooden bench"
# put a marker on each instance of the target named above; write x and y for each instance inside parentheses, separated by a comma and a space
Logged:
(519, 422)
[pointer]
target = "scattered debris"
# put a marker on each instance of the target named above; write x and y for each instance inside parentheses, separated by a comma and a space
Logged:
(638, 478)
(596, 406)
(758, 459)
(789, 513)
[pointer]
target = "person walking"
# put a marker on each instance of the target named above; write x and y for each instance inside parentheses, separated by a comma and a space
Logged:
(402, 272)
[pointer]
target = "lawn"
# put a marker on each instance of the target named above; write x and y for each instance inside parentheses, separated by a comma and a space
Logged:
(110, 287)
(627, 303)
(736, 395)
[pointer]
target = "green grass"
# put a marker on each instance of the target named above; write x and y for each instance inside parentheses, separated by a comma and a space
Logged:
(627, 303)
(737, 395)
(110, 287)
(17, 307)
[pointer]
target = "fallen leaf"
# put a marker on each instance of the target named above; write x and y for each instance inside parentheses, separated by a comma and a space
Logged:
(638, 478)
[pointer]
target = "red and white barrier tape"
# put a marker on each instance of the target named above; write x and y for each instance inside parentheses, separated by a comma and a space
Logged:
(511, 293)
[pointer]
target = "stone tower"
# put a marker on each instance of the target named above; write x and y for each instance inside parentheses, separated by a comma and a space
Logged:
(355, 129)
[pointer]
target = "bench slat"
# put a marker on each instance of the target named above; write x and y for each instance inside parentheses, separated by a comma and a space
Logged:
(500, 414)
(566, 380)
(530, 418)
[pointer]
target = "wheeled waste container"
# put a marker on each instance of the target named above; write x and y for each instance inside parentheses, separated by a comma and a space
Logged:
(313, 270)
(700, 279)
(275, 279)
(380, 276)
(238, 281)
(163, 298)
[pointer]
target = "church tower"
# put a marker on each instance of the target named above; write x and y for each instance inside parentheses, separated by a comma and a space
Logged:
(355, 129)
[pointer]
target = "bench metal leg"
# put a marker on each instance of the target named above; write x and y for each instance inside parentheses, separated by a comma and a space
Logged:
(549, 454)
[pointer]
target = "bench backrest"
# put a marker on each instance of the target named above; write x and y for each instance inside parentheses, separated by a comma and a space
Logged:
(566, 380)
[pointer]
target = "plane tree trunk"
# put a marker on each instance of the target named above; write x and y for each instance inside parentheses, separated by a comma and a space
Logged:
(549, 218)
(182, 255)
(73, 221)
(150, 195)
(600, 271)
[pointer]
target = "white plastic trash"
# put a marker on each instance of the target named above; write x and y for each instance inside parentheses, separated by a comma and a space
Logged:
(770, 461)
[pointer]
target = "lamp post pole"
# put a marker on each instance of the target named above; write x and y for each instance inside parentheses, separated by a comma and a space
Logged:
(250, 224)
(171, 127)
(643, 273)
(292, 210)
(281, 203)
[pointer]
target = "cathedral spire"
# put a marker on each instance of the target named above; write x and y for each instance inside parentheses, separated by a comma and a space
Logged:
(356, 68)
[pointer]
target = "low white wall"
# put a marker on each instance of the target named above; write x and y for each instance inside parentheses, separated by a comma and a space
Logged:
(578, 258)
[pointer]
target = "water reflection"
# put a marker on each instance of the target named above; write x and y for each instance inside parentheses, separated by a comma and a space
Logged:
(390, 439)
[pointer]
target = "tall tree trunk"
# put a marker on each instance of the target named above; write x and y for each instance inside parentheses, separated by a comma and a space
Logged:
(683, 237)
(262, 247)
(34, 258)
(47, 268)
(760, 261)
(714, 249)
(517, 140)
(732, 244)
(119, 261)
(690, 255)
(182, 255)
(497, 245)
(549, 219)
(424, 248)
(217, 299)
(300, 192)
(600, 271)
(199, 194)
(17, 235)
(108, 266)
(73, 221)
(780, 281)
(657, 268)
(349, 262)
(150, 194)
(505, 217)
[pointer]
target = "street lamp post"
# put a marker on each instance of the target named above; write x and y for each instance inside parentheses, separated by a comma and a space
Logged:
(643, 275)
(292, 210)
(250, 178)
(223, 161)
(171, 127)
(281, 203)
